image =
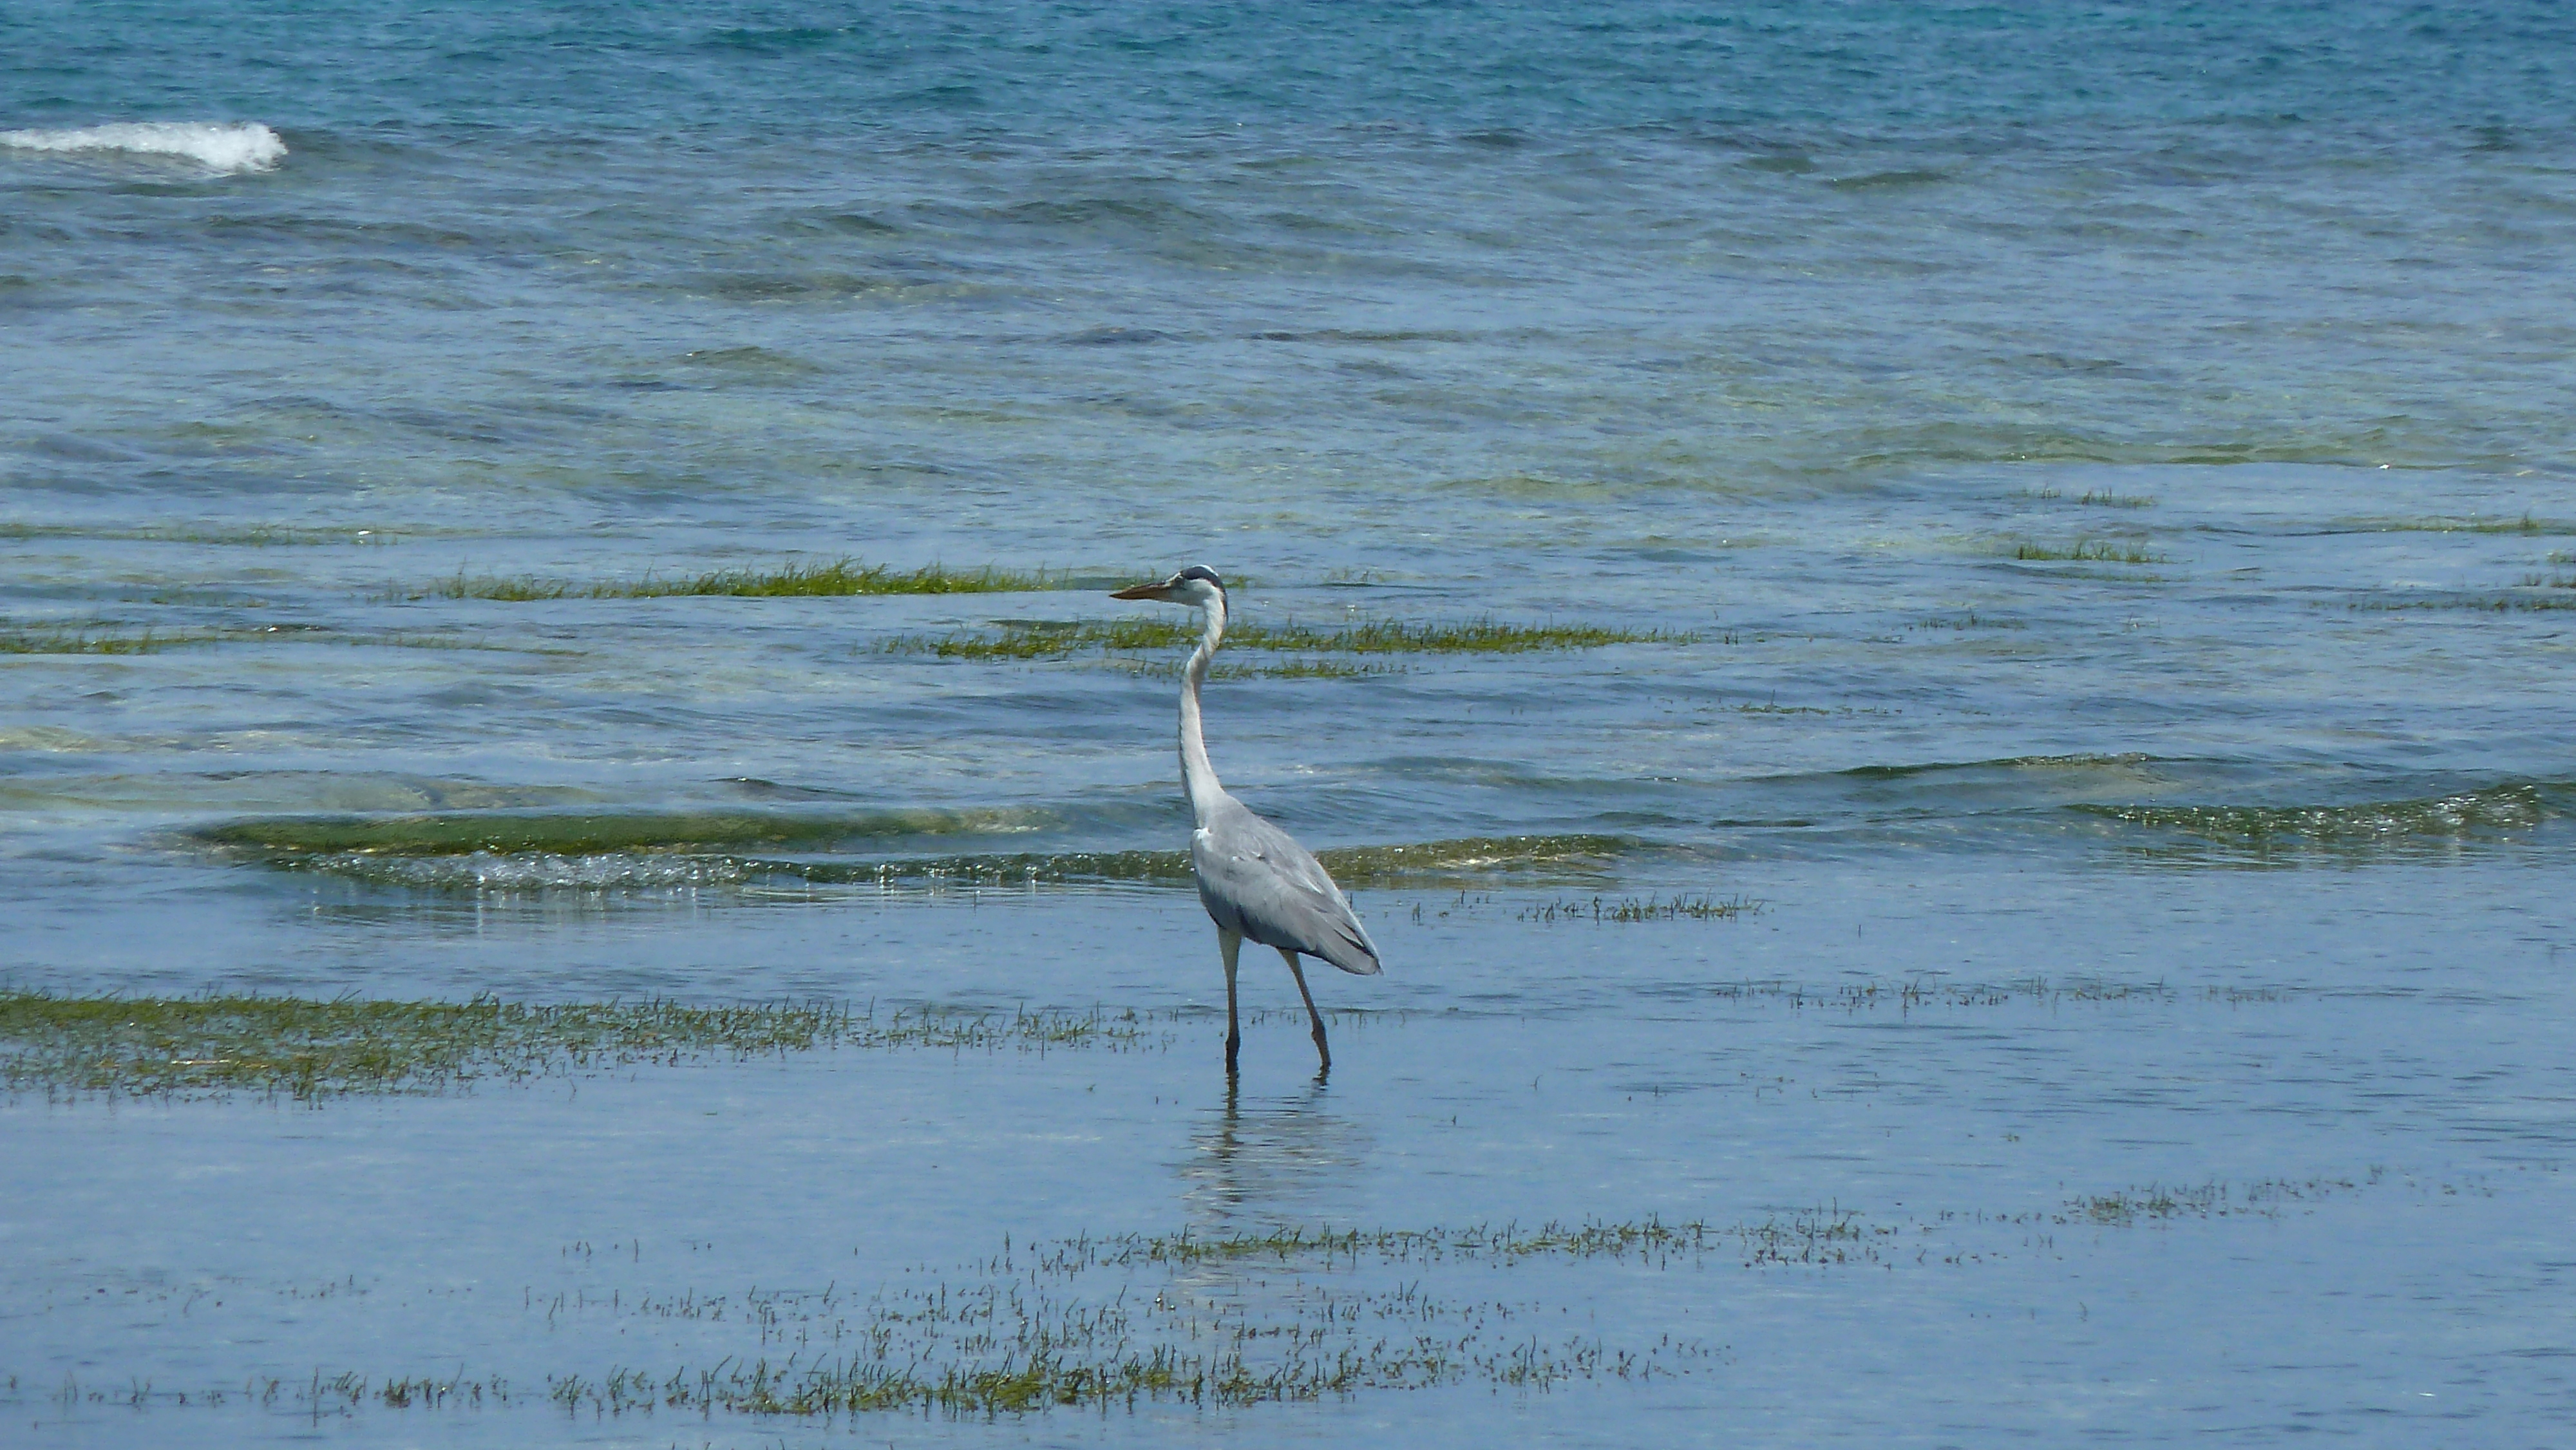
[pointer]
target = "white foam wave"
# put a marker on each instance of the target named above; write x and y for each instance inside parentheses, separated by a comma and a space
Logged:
(215, 145)
(534, 871)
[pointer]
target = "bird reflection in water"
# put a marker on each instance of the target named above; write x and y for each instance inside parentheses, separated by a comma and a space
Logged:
(1280, 1164)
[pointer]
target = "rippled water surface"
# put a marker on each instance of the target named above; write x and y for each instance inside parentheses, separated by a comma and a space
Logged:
(1937, 642)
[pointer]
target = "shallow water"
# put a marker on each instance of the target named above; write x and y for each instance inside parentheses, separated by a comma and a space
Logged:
(2104, 530)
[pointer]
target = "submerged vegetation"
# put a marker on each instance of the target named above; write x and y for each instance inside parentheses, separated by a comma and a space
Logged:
(1036, 640)
(308, 1049)
(2156, 1202)
(791, 580)
(2528, 524)
(2094, 497)
(510, 852)
(1229, 1319)
(256, 536)
(1644, 908)
(81, 642)
(1968, 621)
(313, 1049)
(1213, 1320)
(2475, 603)
(1254, 667)
(2088, 551)
(1225, 1320)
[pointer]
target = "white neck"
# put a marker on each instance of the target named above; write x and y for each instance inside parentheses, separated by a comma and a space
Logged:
(1198, 778)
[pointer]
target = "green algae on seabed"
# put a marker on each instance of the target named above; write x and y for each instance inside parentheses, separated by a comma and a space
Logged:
(307, 1049)
(1035, 640)
(2088, 551)
(788, 581)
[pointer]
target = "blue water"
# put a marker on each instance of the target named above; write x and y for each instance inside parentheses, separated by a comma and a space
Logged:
(2104, 475)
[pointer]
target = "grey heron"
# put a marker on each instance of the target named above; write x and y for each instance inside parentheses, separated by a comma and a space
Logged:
(1254, 879)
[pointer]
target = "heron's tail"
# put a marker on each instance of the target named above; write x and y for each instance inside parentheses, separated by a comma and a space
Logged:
(1351, 950)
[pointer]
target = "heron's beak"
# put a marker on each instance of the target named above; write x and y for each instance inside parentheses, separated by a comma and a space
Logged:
(1144, 591)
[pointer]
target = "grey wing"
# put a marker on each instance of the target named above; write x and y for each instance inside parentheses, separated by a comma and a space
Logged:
(1256, 880)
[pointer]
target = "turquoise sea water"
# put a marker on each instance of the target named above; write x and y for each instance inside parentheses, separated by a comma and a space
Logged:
(2093, 487)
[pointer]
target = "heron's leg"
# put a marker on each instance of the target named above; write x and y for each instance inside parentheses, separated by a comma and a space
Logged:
(1230, 943)
(1322, 1052)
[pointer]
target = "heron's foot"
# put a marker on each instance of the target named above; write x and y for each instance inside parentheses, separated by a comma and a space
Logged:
(1323, 1054)
(1233, 1053)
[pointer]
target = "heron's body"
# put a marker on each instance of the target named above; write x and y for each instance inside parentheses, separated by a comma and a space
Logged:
(1254, 879)
(1256, 882)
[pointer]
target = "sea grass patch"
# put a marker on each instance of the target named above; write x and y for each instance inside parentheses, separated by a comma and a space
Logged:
(1105, 1323)
(1682, 906)
(309, 1049)
(535, 851)
(2086, 551)
(82, 642)
(1053, 640)
(2528, 525)
(2473, 603)
(791, 580)
(1294, 1315)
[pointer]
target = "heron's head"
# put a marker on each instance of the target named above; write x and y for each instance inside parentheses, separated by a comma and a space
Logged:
(1196, 586)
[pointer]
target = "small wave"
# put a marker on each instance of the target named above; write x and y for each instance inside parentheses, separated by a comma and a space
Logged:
(622, 854)
(530, 873)
(1018, 868)
(2494, 811)
(548, 833)
(1114, 337)
(1878, 180)
(2089, 761)
(215, 145)
(1472, 858)
(1480, 856)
